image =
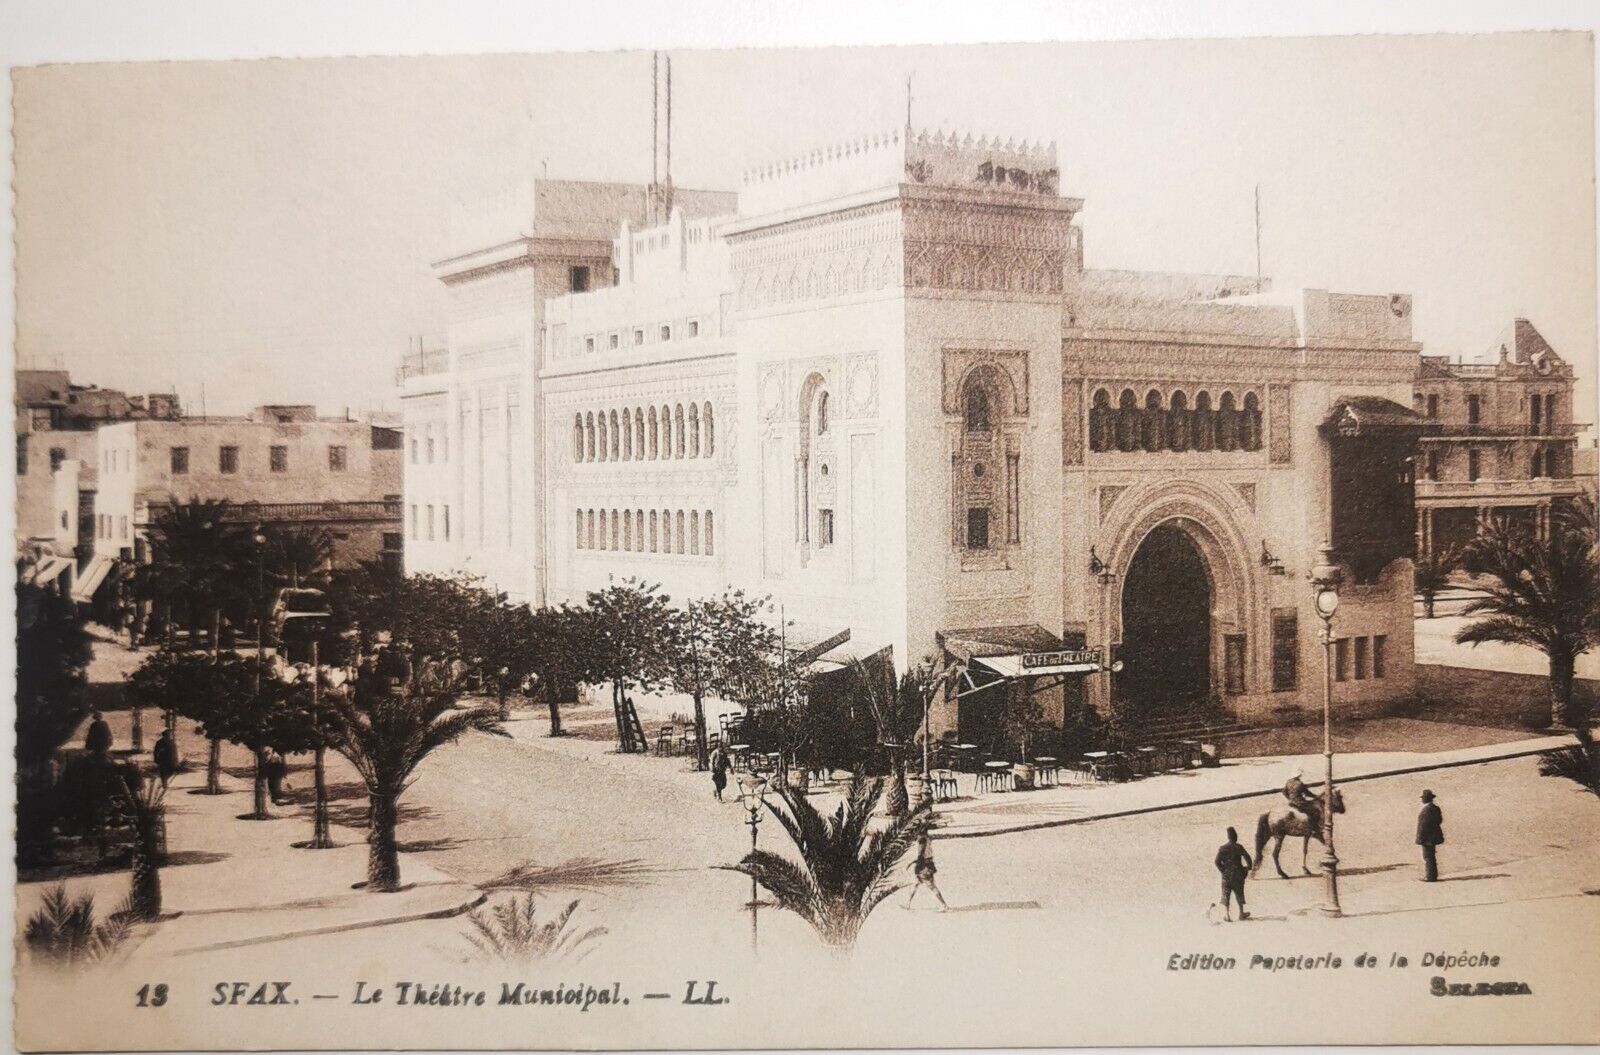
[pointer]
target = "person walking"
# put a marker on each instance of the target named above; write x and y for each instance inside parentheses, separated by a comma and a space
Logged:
(1430, 834)
(98, 740)
(165, 754)
(277, 773)
(1234, 863)
(719, 770)
(924, 869)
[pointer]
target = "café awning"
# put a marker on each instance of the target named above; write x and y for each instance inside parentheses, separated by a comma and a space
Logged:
(93, 575)
(996, 655)
(48, 570)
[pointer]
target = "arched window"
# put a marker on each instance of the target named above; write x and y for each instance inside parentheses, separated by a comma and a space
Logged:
(655, 435)
(638, 434)
(588, 438)
(602, 438)
(616, 438)
(627, 436)
(1250, 430)
(588, 523)
(678, 431)
(677, 531)
(977, 408)
(1227, 424)
(627, 531)
(653, 540)
(694, 532)
(638, 530)
(666, 531)
(1102, 427)
(694, 430)
(616, 530)
(1203, 424)
(1127, 421)
(577, 539)
(710, 447)
(1178, 423)
(710, 536)
(1150, 430)
(577, 437)
(822, 413)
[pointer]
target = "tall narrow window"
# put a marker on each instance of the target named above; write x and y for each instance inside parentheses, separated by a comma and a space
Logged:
(1433, 406)
(1102, 427)
(1474, 463)
(978, 528)
(1361, 658)
(1203, 424)
(578, 278)
(638, 530)
(678, 430)
(588, 528)
(278, 458)
(654, 546)
(180, 461)
(666, 531)
(824, 527)
(1013, 499)
(577, 437)
(430, 448)
(588, 437)
(694, 430)
(627, 531)
(1285, 650)
(1127, 428)
(1233, 682)
(616, 438)
(1151, 433)
(638, 434)
(655, 435)
(1433, 465)
(627, 436)
(430, 522)
(228, 460)
(415, 522)
(694, 532)
(1341, 659)
(977, 408)
(1535, 405)
(1474, 409)
(445, 514)
(22, 455)
(1380, 649)
(677, 532)
(1250, 423)
(710, 446)
(822, 414)
(616, 531)
(711, 536)
(337, 459)
(1227, 423)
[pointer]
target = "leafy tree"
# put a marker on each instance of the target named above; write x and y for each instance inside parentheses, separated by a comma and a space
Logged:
(717, 645)
(262, 719)
(52, 660)
(202, 688)
(1433, 575)
(561, 654)
(386, 731)
(846, 865)
(502, 641)
(1543, 593)
(632, 623)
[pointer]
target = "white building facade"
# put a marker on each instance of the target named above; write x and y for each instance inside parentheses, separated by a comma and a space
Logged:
(880, 386)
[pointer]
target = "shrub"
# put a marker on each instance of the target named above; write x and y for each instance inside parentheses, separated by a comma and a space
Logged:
(63, 931)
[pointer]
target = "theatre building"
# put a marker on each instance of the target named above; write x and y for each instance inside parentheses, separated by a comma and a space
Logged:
(879, 385)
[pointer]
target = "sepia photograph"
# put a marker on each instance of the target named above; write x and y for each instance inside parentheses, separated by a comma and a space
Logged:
(964, 545)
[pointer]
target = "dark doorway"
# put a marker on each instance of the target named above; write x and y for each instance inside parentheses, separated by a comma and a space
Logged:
(1166, 624)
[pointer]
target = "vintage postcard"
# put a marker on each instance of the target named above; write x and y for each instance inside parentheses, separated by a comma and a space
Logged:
(1050, 544)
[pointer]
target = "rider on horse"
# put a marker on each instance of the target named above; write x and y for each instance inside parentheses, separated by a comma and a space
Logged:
(1301, 798)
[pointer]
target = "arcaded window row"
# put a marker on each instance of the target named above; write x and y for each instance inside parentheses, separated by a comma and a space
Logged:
(1156, 424)
(635, 531)
(644, 434)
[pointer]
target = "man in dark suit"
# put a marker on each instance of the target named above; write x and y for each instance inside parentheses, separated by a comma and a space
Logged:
(1430, 833)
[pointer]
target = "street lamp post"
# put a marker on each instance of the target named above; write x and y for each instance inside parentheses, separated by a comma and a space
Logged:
(1325, 580)
(752, 793)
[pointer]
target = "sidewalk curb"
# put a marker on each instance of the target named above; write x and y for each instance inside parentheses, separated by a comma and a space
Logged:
(478, 898)
(1235, 796)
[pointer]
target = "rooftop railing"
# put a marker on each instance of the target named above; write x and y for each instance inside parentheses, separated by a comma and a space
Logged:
(421, 364)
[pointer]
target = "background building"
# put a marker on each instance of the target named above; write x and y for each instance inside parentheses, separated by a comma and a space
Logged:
(279, 465)
(1506, 441)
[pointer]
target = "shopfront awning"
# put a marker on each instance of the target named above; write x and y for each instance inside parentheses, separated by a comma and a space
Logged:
(93, 575)
(48, 570)
(992, 656)
(1036, 664)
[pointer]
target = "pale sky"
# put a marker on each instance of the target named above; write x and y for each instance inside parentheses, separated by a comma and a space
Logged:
(265, 228)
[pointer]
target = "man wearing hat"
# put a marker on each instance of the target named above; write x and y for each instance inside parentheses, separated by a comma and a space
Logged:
(1430, 833)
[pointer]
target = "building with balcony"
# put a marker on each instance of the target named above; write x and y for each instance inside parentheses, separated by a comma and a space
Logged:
(880, 386)
(1505, 441)
(280, 465)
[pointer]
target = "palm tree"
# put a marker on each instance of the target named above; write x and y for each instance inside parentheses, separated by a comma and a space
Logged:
(896, 709)
(386, 731)
(196, 557)
(299, 556)
(845, 869)
(146, 810)
(1433, 575)
(1544, 593)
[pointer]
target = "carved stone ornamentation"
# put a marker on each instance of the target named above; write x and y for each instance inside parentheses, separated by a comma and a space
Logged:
(1247, 492)
(771, 387)
(959, 362)
(1108, 498)
(861, 373)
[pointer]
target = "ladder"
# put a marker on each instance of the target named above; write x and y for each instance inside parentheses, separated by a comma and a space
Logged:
(629, 731)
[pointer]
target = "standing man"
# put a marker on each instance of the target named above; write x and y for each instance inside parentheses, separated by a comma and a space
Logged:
(1430, 833)
(1234, 864)
(166, 757)
(719, 770)
(98, 740)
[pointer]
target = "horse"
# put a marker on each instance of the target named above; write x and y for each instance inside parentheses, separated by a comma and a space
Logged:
(1285, 820)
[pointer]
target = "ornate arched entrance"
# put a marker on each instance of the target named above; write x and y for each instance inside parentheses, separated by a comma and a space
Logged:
(1166, 623)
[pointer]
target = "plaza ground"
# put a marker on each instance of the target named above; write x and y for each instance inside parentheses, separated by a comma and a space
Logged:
(1078, 916)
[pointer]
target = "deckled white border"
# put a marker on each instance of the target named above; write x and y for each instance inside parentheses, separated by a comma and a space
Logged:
(46, 31)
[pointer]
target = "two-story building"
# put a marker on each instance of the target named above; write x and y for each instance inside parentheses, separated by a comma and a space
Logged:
(1505, 443)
